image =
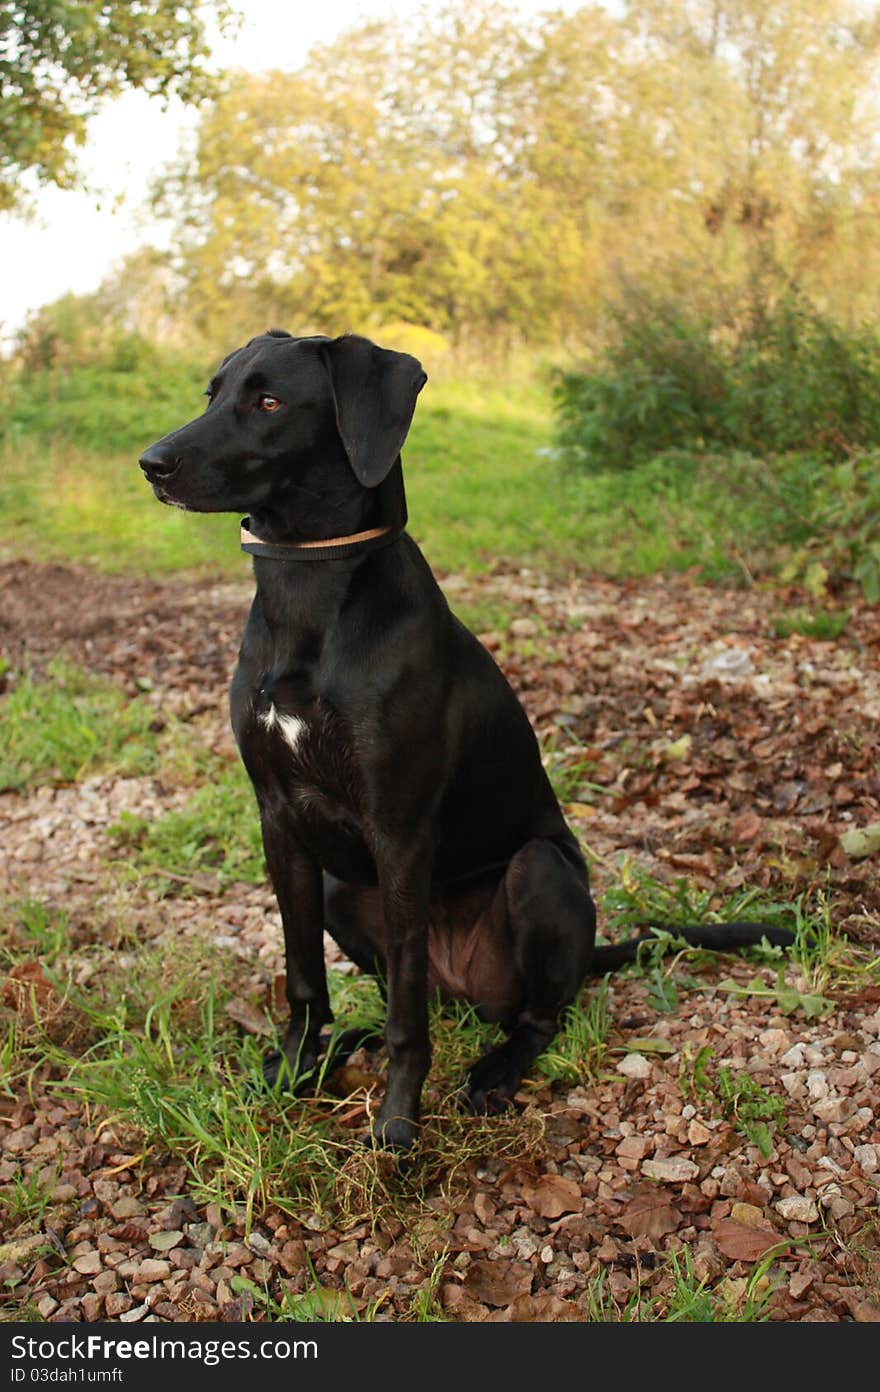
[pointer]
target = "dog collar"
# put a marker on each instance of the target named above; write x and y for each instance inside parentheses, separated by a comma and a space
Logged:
(333, 549)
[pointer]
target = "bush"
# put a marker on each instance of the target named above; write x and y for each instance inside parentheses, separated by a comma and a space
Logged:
(781, 380)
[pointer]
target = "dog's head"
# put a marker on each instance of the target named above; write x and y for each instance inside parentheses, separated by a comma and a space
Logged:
(298, 424)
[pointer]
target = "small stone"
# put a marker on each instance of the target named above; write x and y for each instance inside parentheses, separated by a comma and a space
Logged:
(238, 1255)
(89, 1264)
(152, 1270)
(127, 1207)
(698, 1134)
(834, 1109)
(794, 1057)
(672, 1169)
(775, 1041)
(199, 1234)
(136, 1313)
(634, 1147)
(799, 1282)
(344, 1251)
(867, 1157)
(64, 1193)
(92, 1306)
(164, 1241)
(547, 1254)
(117, 1304)
(106, 1283)
(797, 1209)
(47, 1305)
(634, 1066)
(292, 1257)
(747, 1214)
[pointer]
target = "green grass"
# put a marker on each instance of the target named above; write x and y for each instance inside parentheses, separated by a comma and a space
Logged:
(688, 1298)
(826, 625)
(484, 482)
(217, 833)
(59, 728)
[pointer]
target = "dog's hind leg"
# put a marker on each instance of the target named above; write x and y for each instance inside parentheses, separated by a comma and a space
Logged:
(552, 925)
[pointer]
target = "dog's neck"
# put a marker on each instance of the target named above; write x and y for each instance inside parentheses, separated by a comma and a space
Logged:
(326, 505)
(320, 549)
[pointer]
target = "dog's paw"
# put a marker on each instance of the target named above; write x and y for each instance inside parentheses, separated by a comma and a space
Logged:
(489, 1086)
(394, 1133)
(278, 1076)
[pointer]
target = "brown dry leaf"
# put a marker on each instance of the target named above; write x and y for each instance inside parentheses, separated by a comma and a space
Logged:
(552, 1195)
(746, 827)
(456, 1303)
(649, 1213)
(24, 982)
(547, 1309)
(497, 1282)
(741, 1243)
(249, 1016)
(350, 1079)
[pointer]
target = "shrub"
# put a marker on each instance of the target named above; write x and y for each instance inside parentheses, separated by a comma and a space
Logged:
(783, 379)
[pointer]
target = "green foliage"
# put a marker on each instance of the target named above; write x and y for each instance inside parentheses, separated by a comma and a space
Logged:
(507, 174)
(736, 1096)
(40, 927)
(824, 624)
(68, 724)
(581, 1047)
(60, 60)
(781, 380)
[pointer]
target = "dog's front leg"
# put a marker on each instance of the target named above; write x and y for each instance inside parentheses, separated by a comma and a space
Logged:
(297, 881)
(405, 882)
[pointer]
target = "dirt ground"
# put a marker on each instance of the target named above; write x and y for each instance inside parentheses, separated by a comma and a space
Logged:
(725, 755)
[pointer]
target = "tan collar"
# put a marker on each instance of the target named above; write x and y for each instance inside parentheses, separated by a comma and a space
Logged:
(333, 548)
(247, 536)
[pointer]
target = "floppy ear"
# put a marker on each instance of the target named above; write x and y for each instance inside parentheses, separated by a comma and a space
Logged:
(374, 391)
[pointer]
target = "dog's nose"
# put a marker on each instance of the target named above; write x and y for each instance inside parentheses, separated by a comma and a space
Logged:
(158, 464)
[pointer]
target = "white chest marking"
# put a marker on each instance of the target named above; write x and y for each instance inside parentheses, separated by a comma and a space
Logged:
(291, 727)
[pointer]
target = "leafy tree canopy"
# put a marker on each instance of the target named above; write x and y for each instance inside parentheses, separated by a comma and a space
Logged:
(60, 58)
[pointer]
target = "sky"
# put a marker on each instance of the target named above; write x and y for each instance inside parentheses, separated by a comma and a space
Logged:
(75, 237)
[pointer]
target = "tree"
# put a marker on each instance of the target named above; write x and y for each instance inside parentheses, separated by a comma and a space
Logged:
(60, 58)
(485, 175)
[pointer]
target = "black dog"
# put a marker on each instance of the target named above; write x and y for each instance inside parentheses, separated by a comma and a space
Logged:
(402, 798)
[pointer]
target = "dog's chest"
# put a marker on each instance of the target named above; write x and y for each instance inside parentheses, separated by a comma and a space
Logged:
(297, 738)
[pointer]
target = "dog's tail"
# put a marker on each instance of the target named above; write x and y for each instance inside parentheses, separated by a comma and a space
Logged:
(716, 937)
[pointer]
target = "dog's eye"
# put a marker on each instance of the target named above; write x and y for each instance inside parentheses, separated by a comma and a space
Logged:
(269, 403)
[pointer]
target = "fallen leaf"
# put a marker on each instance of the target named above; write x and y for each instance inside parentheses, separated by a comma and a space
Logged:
(350, 1079)
(649, 1045)
(27, 981)
(546, 1309)
(742, 1243)
(861, 841)
(497, 1282)
(249, 1016)
(552, 1195)
(649, 1213)
(746, 827)
(677, 749)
